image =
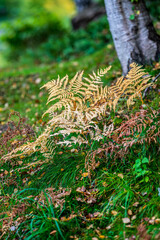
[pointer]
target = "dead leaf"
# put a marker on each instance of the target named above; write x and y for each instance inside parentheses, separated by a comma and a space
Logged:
(104, 184)
(20, 162)
(126, 220)
(129, 212)
(114, 213)
(134, 217)
(90, 226)
(85, 174)
(102, 236)
(135, 204)
(53, 232)
(96, 214)
(38, 80)
(81, 189)
(108, 227)
(120, 175)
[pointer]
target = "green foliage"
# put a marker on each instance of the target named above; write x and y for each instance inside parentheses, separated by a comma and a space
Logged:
(30, 31)
(45, 37)
(140, 169)
(154, 9)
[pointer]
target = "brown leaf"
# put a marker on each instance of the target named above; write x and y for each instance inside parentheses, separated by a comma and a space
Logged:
(120, 175)
(135, 204)
(114, 213)
(129, 212)
(85, 174)
(53, 232)
(126, 220)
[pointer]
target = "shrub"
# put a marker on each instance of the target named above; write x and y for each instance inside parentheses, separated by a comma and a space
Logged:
(44, 36)
(28, 32)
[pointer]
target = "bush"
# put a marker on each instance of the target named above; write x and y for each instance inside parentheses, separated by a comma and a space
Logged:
(46, 37)
(30, 31)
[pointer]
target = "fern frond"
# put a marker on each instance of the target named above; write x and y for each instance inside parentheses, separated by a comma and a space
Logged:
(79, 102)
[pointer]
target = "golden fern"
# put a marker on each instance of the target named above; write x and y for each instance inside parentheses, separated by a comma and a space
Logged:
(80, 101)
(72, 93)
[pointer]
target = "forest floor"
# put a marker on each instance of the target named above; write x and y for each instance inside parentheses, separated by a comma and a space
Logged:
(55, 198)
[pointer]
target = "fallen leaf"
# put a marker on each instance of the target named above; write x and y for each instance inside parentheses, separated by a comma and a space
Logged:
(157, 220)
(102, 236)
(96, 214)
(90, 226)
(53, 232)
(108, 227)
(20, 162)
(129, 212)
(85, 174)
(64, 219)
(135, 204)
(60, 153)
(38, 80)
(104, 184)
(81, 189)
(126, 220)
(134, 217)
(114, 213)
(120, 175)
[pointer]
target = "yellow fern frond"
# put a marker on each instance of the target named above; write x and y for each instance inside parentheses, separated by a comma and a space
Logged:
(79, 102)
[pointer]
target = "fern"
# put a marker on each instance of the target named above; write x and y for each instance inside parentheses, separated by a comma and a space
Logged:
(79, 102)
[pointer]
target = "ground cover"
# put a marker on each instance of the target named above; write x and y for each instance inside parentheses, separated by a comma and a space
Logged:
(55, 197)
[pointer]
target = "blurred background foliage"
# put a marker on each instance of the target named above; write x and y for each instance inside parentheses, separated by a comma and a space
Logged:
(36, 31)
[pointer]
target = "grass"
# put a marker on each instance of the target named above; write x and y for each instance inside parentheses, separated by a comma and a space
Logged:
(56, 199)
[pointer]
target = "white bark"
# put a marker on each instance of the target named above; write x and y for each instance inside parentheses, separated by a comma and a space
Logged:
(135, 40)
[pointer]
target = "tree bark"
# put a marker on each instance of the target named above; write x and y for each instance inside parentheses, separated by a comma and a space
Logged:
(133, 33)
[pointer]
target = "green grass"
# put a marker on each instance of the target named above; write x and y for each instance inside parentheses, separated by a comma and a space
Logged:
(31, 206)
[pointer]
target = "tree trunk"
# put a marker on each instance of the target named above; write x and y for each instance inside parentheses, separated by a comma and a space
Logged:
(82, 4)
(133, 33)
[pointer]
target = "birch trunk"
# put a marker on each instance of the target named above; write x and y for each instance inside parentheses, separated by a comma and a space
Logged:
(135, 40)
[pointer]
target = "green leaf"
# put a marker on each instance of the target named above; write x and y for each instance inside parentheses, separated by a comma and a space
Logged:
(132, 17)
(138, 161)
(146, 179)
(145, 160)
(143, 172)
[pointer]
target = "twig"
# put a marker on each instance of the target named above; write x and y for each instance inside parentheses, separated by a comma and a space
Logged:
(149, 88)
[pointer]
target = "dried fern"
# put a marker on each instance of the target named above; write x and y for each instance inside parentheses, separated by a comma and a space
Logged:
(79, 102)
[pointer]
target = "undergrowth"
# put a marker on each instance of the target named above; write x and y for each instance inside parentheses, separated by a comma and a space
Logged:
(94, 171)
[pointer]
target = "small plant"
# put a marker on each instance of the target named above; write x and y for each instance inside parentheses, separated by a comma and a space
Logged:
(140, 169)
